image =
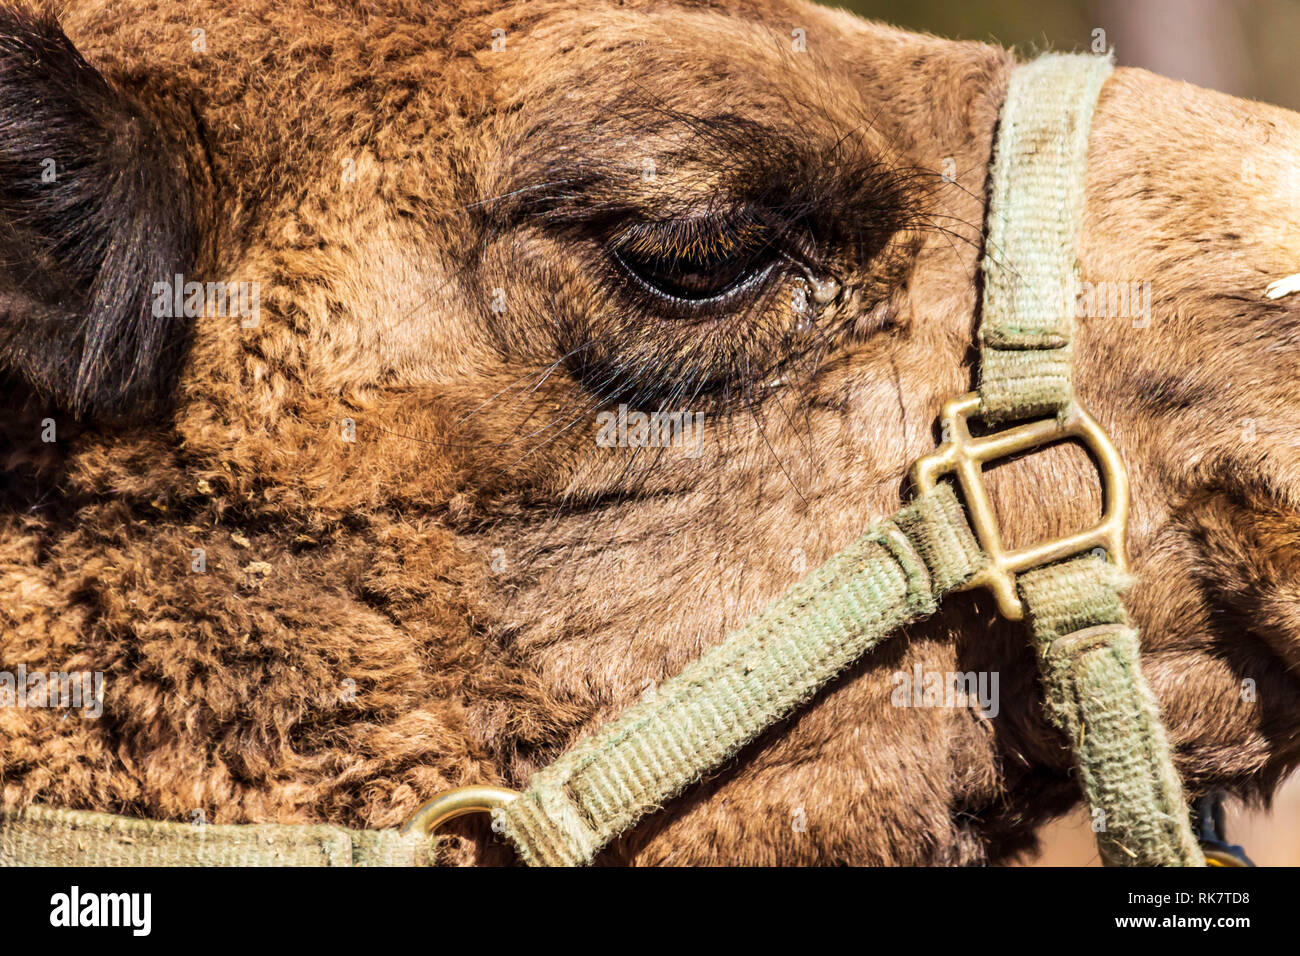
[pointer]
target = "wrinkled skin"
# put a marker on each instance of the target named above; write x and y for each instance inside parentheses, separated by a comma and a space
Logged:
(474, 582)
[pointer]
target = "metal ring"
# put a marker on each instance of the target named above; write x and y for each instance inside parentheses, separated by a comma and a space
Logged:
(458, 803)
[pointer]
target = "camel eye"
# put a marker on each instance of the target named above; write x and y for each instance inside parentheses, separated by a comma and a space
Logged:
(695, 261)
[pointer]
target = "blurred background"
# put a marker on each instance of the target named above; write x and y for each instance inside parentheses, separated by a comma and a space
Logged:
(1243, 47)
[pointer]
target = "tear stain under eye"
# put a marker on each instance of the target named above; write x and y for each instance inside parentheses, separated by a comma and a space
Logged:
(812, 293)
(824, 291)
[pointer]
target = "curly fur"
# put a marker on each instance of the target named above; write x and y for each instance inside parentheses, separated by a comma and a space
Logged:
(468, 586)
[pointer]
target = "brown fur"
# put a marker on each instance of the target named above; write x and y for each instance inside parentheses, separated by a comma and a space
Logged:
(493, 583)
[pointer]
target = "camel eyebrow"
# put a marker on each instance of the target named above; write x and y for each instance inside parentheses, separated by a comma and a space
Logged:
(641, 154)
(725, 163)
(585, 174)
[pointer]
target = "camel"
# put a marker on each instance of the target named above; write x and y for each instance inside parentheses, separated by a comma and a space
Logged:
(309, 316)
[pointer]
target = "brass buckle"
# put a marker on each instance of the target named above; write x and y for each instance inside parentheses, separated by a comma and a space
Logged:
(457, 803)
(964, 456)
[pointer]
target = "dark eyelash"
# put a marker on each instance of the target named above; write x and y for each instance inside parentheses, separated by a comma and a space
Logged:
(697, 240)
(701, 262)
(743, 281)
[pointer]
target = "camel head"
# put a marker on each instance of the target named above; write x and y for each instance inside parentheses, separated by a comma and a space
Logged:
(397, 391)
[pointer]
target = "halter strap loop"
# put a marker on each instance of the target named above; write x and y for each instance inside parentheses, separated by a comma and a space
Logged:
(1096, 695)
(1035, 217)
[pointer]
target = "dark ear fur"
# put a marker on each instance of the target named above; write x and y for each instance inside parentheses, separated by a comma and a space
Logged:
(79, 255)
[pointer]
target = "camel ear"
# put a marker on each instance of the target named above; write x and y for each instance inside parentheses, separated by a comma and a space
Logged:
(95, 208)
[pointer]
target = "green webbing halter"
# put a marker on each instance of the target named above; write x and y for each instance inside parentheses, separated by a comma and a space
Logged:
(1088, 655)
(40, 836)
(892, 575)
(1035, 217)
